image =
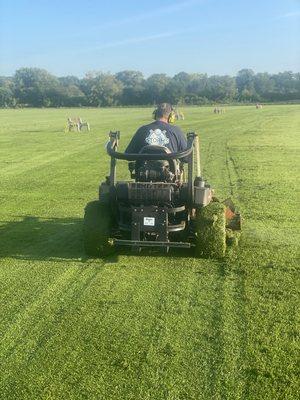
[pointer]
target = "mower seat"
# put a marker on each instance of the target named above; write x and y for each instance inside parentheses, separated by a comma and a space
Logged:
(158, 170)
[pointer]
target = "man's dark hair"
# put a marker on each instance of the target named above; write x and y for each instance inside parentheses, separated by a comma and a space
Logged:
(162, 110)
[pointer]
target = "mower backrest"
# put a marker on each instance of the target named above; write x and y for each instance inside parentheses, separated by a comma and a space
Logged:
(158, 170)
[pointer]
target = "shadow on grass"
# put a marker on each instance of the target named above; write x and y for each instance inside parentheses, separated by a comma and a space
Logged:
(38, 238)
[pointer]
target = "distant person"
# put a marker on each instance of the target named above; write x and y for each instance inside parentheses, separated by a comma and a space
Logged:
(159, 133)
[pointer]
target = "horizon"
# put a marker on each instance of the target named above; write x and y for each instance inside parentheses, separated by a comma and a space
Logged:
(147, 76)
(195, 36)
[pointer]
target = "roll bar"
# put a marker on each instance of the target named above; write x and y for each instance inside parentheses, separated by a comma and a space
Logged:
(110, 148)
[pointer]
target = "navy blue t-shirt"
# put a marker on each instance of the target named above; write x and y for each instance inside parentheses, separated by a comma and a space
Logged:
(158, 133)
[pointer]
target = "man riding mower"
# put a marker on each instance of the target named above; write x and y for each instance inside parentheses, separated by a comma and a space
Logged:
(166, 204)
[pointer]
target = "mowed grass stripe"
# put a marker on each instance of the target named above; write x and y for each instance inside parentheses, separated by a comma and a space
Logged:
(45, 158)
(39, 321)
(271, 292)
(116, 344)
(152, 327)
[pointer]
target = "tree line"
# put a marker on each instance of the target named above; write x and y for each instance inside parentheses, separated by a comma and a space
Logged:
(34, 87)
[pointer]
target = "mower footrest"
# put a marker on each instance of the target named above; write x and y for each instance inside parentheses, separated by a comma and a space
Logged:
(151, 243)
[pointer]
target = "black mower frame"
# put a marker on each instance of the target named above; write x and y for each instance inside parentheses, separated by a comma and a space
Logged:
(160, 207)
(162, 226)
(192, 144)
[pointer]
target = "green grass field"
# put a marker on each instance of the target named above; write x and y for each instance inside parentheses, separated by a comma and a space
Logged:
(147, 327)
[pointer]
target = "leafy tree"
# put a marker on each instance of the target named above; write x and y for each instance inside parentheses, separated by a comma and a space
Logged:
(197, 84)
(264, 85)
(245, 85)
(105, 90)
(74, 97)
(156, 88)
(174, 92)
(183, 78)
(133, 87)
(38, 88)
(130, 78)
(194, 99)
(70, 92)
(220, 88)
(7, 97)
(287, 86)
(69, 80)
(34, 86)
(67, 96)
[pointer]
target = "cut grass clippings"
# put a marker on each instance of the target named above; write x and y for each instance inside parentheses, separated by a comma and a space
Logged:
(210, 231)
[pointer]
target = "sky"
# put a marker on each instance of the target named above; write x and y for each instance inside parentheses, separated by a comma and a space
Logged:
(158, 36)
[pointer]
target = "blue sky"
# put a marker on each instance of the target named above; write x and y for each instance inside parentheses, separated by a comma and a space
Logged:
(214, 36)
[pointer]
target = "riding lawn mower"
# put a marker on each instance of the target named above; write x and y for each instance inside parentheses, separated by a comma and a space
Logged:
(166, 204)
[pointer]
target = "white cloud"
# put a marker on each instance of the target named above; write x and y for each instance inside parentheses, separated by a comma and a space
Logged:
(177, 7)
(140, 39)
(291, 14)
(133, 40)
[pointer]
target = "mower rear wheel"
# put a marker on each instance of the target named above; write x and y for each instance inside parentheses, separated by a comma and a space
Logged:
(96, 229)
(211, 231)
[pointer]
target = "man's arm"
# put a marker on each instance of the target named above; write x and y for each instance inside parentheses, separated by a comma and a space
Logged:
(182, 143)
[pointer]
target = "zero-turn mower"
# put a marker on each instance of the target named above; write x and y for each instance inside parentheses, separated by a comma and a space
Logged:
(166, 204)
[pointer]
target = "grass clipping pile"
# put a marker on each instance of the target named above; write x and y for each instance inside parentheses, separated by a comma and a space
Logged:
(211, 231)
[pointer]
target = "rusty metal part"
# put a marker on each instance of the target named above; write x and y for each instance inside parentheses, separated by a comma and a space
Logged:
(233, 217)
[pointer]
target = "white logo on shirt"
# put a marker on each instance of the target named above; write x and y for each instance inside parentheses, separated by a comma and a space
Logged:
(157, 137)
